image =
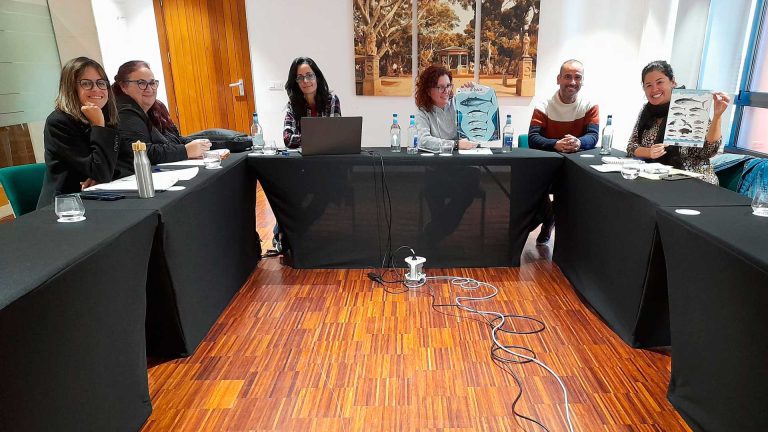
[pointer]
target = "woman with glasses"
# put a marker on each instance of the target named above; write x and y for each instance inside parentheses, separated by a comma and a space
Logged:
(144, 118)
(436, 117)
(308, 96)
(80, 135)
(448, 191)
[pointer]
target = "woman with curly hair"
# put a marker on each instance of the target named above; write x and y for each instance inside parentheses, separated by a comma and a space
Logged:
(436, 117)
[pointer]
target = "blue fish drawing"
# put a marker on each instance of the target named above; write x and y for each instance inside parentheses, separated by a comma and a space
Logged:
(477, 113)
(474, 101)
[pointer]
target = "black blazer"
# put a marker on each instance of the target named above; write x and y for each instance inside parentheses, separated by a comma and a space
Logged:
(74, 152)
(134, 126)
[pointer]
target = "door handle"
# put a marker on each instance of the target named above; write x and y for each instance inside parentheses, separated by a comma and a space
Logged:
(239, 85)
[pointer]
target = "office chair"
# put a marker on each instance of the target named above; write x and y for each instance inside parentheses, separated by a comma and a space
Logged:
(22, 185)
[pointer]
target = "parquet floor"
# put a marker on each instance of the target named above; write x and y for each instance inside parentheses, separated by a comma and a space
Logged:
(329, 350)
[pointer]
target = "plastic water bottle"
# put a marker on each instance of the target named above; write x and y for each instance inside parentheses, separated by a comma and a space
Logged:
(607, 139)
(413, 137)
(143, 170)
(257, 135)
(508, 136)
(394, 135)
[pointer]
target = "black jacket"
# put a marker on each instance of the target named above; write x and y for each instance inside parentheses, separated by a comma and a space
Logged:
(134, 126)
(74, 152)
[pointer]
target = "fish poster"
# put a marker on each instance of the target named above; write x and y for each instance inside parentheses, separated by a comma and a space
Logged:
(478, 113)
(688, 117)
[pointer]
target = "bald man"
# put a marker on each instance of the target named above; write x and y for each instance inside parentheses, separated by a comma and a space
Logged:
(566, 122)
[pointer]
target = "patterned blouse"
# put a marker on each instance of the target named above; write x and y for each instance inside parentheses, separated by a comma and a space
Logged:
(292, 130)
(693, 158)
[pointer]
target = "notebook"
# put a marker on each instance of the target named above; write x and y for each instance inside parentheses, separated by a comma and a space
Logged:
(331, 135)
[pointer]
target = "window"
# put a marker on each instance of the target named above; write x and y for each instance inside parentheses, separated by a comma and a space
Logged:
(749, 133)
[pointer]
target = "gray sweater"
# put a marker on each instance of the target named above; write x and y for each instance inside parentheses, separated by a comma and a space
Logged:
(436, 126)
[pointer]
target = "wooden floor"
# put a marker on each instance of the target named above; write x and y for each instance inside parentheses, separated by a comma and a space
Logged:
(328, 350)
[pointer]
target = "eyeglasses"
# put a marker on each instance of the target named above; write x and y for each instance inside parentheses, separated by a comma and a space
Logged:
(443, 89)
(143, 84)
(308, 77)
(87, 84)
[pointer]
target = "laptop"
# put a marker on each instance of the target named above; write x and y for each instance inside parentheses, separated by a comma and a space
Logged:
(331, 135)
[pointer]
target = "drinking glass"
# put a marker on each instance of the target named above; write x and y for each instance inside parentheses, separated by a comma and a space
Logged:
(270, 147)
(629, 172)
(760, 200)
(69, 208)
(212, 160)
(446, 148)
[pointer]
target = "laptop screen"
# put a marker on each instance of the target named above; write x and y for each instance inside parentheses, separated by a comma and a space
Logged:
(331, 135)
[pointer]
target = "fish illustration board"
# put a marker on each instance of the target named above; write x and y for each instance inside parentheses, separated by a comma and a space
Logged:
(688, 117)
(478, 113)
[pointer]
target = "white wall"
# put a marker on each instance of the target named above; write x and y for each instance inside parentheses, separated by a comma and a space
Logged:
(690, 29)
(613, 39)
(127, 31)
(75, 29)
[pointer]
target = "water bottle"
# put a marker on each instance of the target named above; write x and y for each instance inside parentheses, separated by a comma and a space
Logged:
(413, 137)
(607, 139)
(143, 170)
(394, 135)
(257, 135)
(508, 136)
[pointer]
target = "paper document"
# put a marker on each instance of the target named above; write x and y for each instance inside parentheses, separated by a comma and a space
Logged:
(183, 174)
(161, 181)
(607, 168)
(188, 162)
(476, 151)
(688, 117)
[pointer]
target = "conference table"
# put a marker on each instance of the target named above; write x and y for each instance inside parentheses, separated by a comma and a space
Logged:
(72, 308)
(205, 248)
(82, 304)
(717, 270)
(607, 242)
(346, 211)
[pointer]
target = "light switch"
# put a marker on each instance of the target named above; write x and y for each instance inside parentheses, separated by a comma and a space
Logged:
(274, 85)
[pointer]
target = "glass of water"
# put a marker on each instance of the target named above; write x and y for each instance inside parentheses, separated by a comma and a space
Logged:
(760, 200)
(446, 148)
(69, 208)
(270, 147)
(630, 172)
(212, 160)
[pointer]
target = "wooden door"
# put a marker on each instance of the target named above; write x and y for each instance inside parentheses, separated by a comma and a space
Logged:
(205, 47)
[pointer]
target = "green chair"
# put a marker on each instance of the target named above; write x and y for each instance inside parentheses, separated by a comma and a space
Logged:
(22, 185)
(522, 141)
(729, 178)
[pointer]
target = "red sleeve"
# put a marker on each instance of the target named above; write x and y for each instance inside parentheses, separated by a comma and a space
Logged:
(539, 119)
(592, 116)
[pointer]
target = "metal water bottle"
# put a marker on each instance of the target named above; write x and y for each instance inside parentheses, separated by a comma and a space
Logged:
(143, 170)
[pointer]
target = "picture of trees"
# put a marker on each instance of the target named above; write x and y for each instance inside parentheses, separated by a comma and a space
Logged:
(383, 47)
(446, 35)
(508, 45)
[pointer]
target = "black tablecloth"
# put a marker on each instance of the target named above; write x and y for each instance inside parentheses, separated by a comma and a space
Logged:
(72, 308)
(462, 210)
(607, 245)
(717, 269)
(205, 249)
